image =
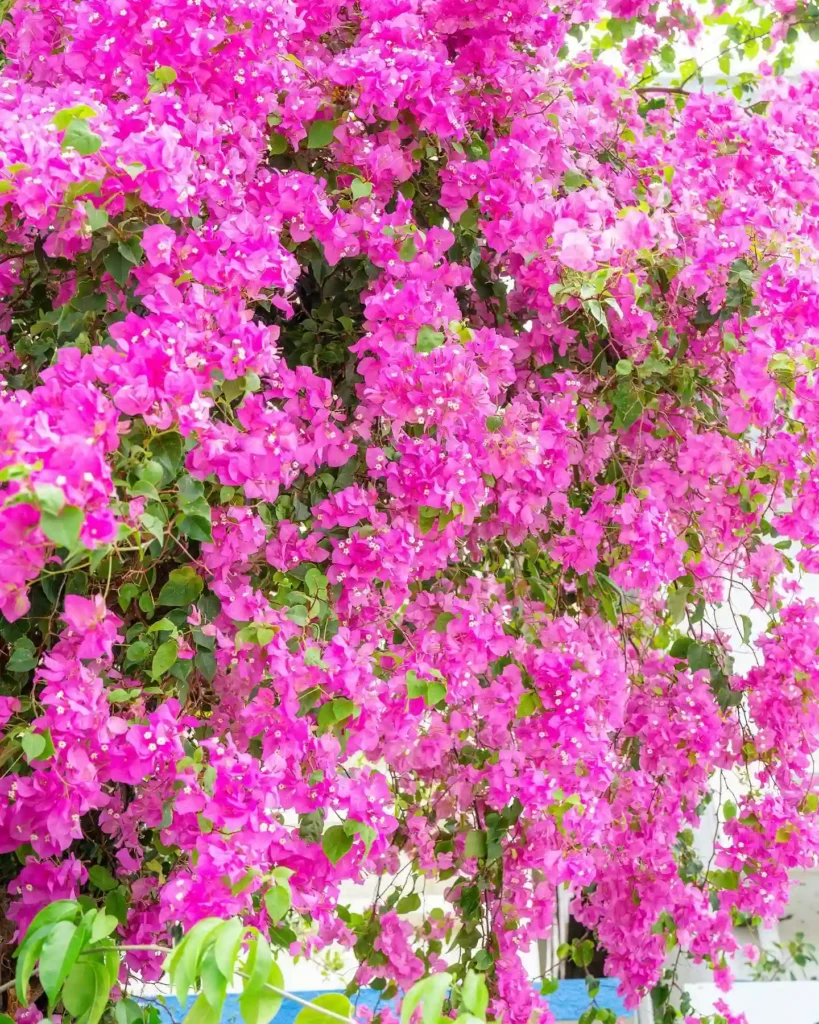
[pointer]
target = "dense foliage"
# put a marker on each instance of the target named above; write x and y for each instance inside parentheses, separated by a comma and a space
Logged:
(397, 396)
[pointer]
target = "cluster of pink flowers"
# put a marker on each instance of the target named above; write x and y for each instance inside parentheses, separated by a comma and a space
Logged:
(392, 407)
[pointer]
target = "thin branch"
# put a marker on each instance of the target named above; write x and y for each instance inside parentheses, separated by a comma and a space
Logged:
(673, 90)
(303, 1002)
(5, 259)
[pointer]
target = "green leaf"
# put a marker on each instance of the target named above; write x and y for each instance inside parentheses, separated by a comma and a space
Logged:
(442, 620)
(116, 904)
(202, 1012)
(361, 189)
(79, 136)
(33, 744)
(117, 266)
(182, 964)
(166, 655)
(128, 1011)
(214, 983)
(59, 910)
(475, 995)
(573, 180)
(316, 582)
(24, 660)
(436, 691)
(96, 216)
(257, 970)
(27, 957)
(358, 828)
(131, 251)
(477, 149)
(226, 946)
(154, 526)
(332, 1001)
(408, 904)
(264, 1005)
(277, 902)
(103, 926)
(64, 528)
(320, 134)
(205, 662)
(336, 843)
(111, 960)
(475, 845)
(277, 143)
(592, 986)
(79, 989)
(747, 626)
(119, 696)
(133, 170)
(79, 941)
(429, 993)
(165, 75)
(484, 960)
(428, 339)
(102, 991)
(408, 250)
(415, 687)
(51, 497)
(183, 587)
(667, 56)
(127, 592)
(298, 614)
(168, 450)
(137, 652)
(197, 528)
(699, 657)
(679, 649)
(627, 404)
(163, 625)
(102, 878)
(528, 704)
(53, 954)
(676, 602)
(63, 118)
(583, 953)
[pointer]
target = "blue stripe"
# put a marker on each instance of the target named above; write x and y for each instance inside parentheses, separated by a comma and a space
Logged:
(570, 1000)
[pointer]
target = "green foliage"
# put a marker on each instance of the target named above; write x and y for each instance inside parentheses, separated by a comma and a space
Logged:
(322, 1007)
(428, 993)
(182, 588)
(71, 947)
(76, 959)
(320, 134)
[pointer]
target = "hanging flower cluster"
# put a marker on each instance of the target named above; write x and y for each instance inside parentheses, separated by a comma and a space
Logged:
(397, 398)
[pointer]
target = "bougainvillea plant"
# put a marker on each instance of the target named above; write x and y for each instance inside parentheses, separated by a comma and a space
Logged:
(397, 396)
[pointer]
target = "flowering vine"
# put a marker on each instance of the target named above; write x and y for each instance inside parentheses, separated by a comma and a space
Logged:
(396, 397)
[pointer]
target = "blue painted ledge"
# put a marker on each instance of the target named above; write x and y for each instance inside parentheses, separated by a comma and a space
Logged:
(567, 1003)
